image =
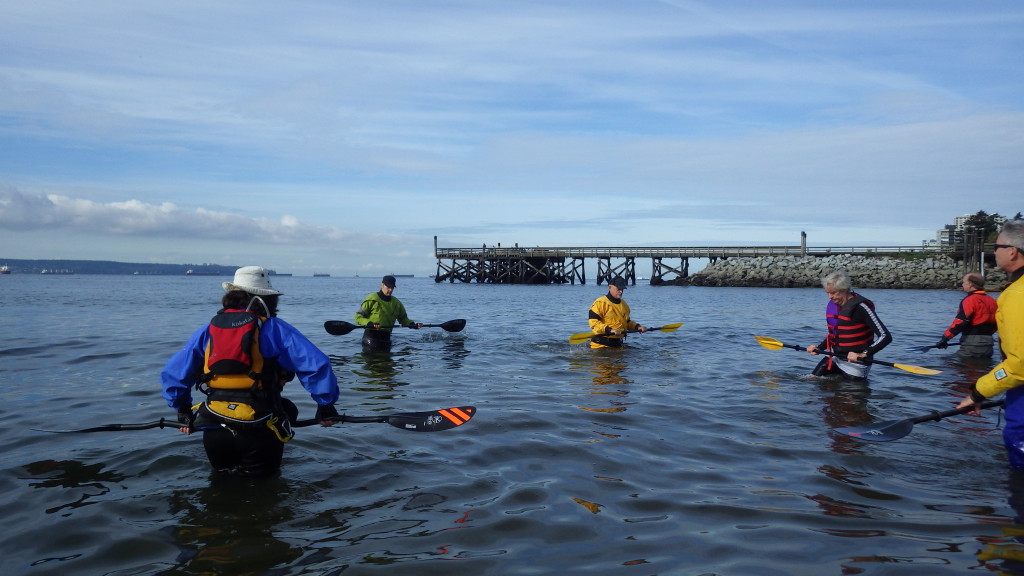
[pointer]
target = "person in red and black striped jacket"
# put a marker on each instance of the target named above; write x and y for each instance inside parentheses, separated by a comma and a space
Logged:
(858, 332)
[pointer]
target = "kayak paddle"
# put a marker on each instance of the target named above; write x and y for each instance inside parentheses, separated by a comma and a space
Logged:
(923, 349)
(433, 421)
(340, 327)
(773, 344)
(585, 336)
(895, 429)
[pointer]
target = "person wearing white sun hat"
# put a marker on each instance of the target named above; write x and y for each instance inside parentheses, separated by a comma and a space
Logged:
(241, 360)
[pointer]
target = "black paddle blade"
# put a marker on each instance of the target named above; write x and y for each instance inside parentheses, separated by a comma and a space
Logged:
(450, 326)
(454, 325)
(896, 429)
(338, 327)
(432, 421)
(880, 431)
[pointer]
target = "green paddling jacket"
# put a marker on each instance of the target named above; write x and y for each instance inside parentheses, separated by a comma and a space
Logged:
(384, 310)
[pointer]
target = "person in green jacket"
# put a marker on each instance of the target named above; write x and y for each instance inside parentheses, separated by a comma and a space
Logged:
(378, 314)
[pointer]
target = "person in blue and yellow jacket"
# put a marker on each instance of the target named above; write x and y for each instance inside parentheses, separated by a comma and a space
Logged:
(609, 317)
(1008, 376)
(241, 361)
(378, 314)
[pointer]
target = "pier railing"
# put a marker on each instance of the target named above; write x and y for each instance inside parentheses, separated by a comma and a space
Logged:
(566, 264)
(676, 251)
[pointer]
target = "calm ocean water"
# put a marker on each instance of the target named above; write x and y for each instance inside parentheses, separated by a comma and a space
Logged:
(691, 453)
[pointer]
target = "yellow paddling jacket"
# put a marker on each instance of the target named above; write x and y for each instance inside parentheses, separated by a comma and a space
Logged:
(1010, 319)
(607, 314)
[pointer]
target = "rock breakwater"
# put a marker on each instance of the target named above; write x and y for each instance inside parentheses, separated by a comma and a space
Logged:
(937, 272)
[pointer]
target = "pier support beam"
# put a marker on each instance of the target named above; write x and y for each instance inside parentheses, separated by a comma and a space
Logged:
(626, 269)
(664, 274)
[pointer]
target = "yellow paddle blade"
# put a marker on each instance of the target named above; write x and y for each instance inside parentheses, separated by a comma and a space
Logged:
(769, 343)
(581, 337)
(585, 336)
(917, 369)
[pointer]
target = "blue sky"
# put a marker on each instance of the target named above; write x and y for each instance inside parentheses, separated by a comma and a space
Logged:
(325, 136)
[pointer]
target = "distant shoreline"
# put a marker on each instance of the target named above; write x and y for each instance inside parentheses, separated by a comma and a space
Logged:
(56, 266)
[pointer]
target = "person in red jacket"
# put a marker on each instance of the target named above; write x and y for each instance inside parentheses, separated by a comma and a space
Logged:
(975, 320)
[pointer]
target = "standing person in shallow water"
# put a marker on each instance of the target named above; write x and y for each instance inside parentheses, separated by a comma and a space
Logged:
(855, 334)
(241, 361)
(1008, 375)
(378, 314)
(975, 320)
(609, 317)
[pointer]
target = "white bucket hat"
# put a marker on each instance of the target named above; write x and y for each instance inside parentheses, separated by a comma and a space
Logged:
(251, 279)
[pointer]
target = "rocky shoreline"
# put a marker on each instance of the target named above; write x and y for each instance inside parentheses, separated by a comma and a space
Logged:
(938, 272)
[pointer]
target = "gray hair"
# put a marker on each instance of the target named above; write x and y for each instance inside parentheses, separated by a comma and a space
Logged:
(839, 280)
(1013, 232)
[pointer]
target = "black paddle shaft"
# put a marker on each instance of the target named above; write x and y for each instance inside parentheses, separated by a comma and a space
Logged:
(954, 412)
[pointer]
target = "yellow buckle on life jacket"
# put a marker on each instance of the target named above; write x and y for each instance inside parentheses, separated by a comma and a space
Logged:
(284, 436)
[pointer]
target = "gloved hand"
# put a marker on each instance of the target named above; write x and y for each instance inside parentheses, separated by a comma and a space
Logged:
(326, 412)
(186, 417)
(942, 344)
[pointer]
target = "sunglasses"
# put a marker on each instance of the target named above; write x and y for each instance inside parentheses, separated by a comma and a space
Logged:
(998, 246)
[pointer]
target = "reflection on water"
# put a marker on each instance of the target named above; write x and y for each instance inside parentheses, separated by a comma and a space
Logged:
(380, 371)
(229, 526)
(607, 384)
(1008, 551)
(454, 353)
(845, 404)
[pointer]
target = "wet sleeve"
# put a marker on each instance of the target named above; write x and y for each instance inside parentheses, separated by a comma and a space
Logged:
(183, 371)
(961, 319)
(295, 353)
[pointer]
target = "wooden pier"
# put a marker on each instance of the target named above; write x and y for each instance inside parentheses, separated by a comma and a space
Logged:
(565, 265)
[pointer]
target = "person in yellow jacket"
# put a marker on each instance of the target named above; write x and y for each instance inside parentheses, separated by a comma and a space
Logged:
(1008, 375)
(609, 317)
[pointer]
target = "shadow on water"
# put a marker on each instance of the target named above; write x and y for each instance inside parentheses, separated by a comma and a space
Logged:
(88, 482)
